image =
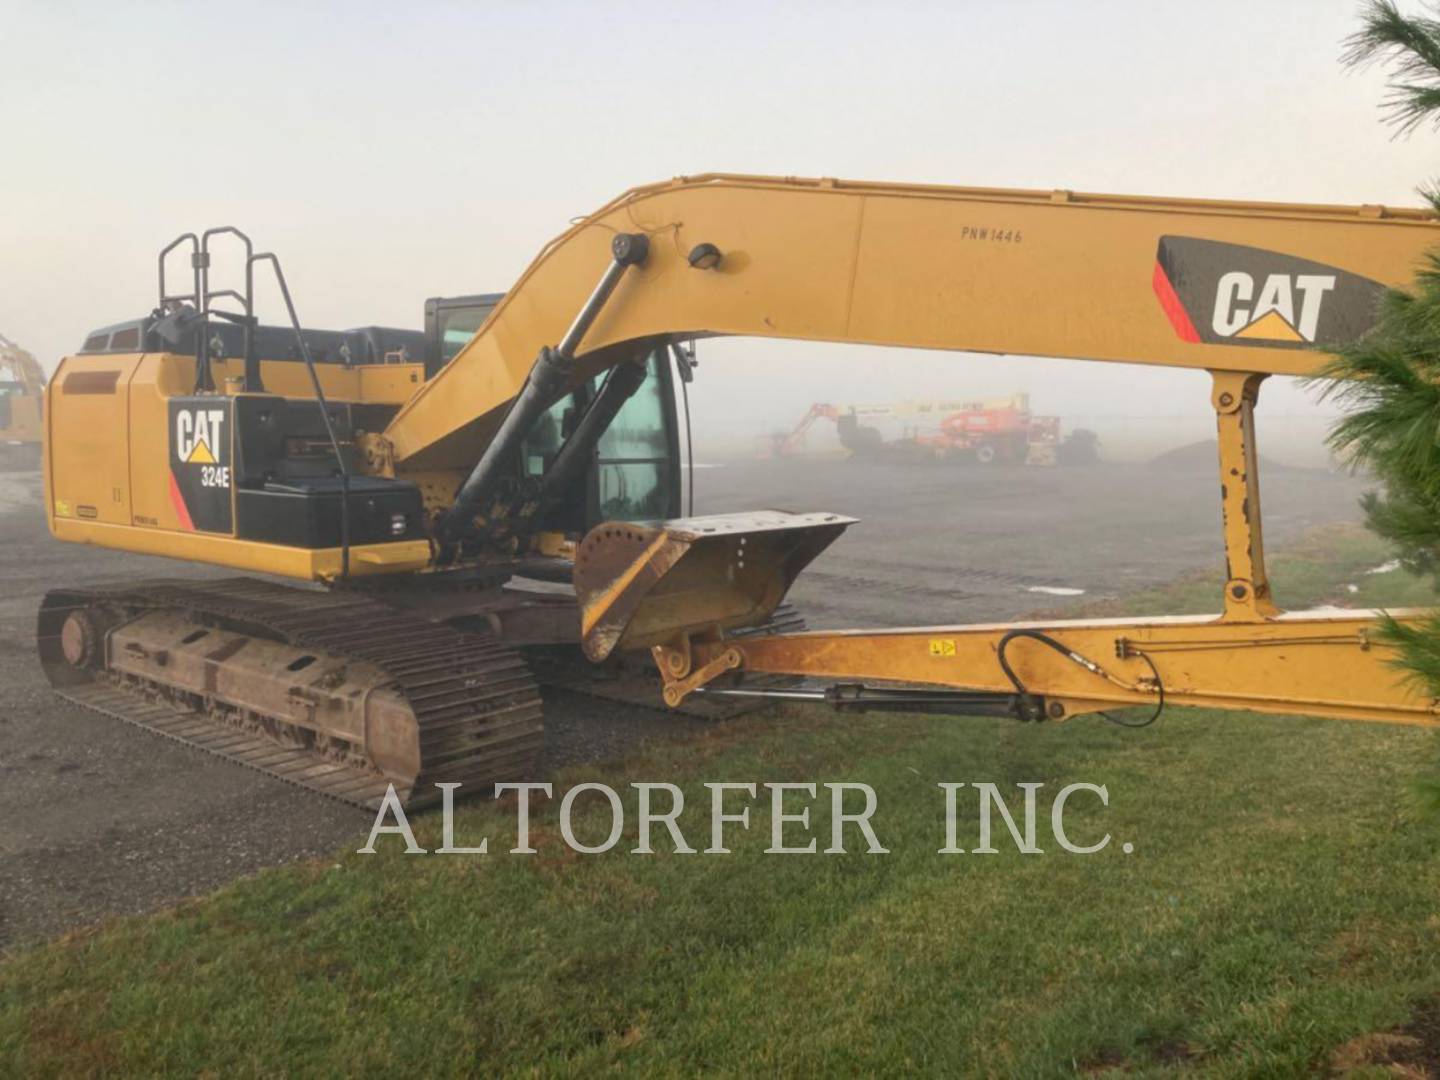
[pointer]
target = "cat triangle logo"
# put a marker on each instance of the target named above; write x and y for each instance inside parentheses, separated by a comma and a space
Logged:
(200, 454)
(1270, 327)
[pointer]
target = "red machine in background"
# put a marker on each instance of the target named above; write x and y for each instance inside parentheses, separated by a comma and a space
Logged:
(986, 431)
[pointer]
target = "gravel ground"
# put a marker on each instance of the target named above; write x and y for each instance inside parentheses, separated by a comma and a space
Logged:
(958, 544)
(98, 819)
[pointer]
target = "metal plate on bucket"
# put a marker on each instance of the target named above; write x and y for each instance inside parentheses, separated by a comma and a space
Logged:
(641, 585)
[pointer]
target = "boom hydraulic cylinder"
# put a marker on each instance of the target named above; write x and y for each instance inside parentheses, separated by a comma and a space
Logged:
(546, 383)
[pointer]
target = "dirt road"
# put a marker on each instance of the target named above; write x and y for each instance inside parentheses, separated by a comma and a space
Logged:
(98, 819)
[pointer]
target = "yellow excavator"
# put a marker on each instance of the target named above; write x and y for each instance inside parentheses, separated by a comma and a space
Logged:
(442, 501)
(22, 386)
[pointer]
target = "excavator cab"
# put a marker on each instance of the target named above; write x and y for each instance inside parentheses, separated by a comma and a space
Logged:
(636, 473)
(450, 323)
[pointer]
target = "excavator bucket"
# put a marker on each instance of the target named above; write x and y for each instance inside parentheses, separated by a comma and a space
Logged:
(642, 585)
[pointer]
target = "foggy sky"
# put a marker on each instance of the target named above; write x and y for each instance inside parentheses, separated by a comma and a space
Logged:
(392, 152)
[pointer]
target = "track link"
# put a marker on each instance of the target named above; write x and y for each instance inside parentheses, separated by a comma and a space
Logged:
(476, 709)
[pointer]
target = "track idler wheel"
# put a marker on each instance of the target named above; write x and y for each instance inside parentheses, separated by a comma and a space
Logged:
(81, 641)
(71, 639)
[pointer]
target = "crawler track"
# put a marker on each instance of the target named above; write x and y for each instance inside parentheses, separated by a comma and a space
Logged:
(476, 710)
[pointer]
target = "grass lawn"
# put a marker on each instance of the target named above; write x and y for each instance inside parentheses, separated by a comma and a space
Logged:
(1280, 913)
(1332, 565)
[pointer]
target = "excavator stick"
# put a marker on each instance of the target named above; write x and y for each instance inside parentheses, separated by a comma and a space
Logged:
(640, 586)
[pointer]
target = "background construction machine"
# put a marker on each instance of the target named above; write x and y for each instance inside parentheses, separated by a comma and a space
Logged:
(22, 386)
(528, 491)
(988, 430)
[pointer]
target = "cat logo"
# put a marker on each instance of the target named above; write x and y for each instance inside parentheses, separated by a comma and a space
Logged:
(199, 483)
(198, 435)
(1229, 294)
(1273, 318)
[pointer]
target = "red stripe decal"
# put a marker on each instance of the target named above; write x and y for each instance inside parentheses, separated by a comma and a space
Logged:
(1173, 308)
(178, 502)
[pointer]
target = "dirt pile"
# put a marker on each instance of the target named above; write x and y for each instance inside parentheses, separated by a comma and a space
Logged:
(1200, 457)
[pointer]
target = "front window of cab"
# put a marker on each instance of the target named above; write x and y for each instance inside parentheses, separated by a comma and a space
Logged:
(634, 454)
(634, 468)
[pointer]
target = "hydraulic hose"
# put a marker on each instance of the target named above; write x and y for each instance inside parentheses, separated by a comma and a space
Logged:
(1027, 708)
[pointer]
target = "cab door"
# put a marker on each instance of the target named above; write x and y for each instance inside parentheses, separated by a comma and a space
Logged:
(635, 474)
(637, 463)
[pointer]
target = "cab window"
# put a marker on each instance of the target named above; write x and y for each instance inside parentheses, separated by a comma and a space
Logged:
(457, 327)
(634, 473)
(634, 454)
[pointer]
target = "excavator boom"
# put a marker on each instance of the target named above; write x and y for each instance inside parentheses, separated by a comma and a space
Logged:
(1252, 287)
(20, 366)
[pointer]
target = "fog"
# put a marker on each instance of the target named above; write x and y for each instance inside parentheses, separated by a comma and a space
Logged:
(390, 153)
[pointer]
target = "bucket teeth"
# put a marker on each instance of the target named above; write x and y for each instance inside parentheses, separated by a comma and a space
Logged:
(644, 585)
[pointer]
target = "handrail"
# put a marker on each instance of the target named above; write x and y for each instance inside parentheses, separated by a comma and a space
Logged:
(320, 399)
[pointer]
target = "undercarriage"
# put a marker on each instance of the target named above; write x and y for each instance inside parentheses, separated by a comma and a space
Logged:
(336, 693)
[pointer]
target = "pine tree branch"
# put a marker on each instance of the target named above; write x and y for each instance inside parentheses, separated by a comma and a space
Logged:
(1411, 46)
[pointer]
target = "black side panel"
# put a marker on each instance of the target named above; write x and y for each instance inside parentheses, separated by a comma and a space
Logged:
(200, 457)
(260, 437)
(307, 514)
(284, 438)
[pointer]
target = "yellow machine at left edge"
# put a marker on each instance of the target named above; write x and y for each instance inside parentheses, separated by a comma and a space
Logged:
(22, 387)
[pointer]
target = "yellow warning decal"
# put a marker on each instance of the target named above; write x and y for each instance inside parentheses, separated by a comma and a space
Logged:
(942, 647)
